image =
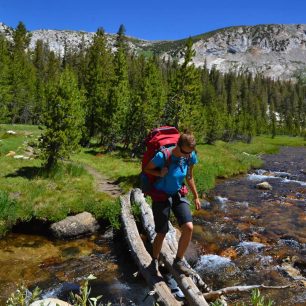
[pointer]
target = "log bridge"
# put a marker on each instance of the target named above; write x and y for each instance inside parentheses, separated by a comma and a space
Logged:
(196, 292)
(193, 287)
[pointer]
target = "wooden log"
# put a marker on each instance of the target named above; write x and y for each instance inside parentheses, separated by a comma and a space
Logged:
(213, 295)
(142, 258)
(171, 237)
(193, 295)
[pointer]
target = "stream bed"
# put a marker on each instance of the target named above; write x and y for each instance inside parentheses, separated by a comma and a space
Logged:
(243, 236)
(59, 266)
(252, 236)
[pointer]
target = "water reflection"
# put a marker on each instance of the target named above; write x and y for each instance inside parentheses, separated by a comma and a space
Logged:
(58, 266)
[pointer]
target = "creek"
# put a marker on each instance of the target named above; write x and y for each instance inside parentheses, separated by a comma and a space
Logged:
(243, 236)
(249, 236)
(59, 266)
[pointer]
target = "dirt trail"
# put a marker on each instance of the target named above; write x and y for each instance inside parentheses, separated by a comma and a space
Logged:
(104, 184)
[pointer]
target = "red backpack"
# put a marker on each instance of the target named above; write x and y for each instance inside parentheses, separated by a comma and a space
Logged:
(159, 139)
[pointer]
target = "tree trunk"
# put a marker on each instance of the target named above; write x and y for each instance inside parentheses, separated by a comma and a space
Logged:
(193, 295)
(142, 258)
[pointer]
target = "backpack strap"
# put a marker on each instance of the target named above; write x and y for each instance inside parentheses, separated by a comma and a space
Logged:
(188, 166)
(167, 152)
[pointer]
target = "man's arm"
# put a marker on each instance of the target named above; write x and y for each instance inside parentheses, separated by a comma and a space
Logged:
(150, 168)
(193, 188)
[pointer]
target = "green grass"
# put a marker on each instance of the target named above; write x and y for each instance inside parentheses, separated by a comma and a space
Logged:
(25, 134)
(223, 160)
(26, 192)
(117, 166)
(265, 144)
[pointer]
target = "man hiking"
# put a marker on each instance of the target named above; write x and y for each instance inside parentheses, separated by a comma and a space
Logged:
(171, 175)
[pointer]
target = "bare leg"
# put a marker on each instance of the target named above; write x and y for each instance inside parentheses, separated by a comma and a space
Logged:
(186, 230)
(157, 244)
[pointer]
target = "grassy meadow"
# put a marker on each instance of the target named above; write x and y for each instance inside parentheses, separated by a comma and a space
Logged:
(26, 192)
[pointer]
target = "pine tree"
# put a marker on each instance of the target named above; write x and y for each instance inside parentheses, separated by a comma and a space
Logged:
(246, 124)
(5, 86)
(40, 61)
(231, 85)
(134, 122)
(301, 91)
(147, 99)
(213, 128)
(22, 78)
(62, 120)
(53, 68)
(98, 81)
(184, 101)
(272, 119)
(120, 94)
(153, 95)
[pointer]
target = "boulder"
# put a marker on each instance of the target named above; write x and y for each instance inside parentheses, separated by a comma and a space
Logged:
(29, 151)
(73, 226)
(264, 186)
(50, 302)
(10, 154)
(249, 247)
(205, 204)
(21, 157)
(216, 265)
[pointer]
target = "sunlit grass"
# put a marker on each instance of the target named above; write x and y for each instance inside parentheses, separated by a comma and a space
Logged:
(221, 160)
(265, 144)
(69, 189)
(25, 134)
(124, 170)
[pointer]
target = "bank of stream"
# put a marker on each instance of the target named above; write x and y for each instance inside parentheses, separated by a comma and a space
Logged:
(244, 235)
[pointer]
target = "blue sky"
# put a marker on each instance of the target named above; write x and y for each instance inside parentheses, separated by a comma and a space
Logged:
(149, 19)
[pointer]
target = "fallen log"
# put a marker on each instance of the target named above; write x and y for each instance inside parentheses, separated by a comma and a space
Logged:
(213, 295)
(142, 258)
(193, 295)
(168, 253)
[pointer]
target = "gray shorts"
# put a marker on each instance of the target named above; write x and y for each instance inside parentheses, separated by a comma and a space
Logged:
(161, 211)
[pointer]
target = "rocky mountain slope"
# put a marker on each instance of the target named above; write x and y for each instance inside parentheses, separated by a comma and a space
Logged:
(277, 51)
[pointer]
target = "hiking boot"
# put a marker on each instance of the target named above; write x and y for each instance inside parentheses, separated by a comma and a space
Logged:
(180, 266)
(154, 266)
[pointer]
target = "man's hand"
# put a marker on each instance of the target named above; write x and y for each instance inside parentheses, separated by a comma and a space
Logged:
(163, 171)
(197, 203)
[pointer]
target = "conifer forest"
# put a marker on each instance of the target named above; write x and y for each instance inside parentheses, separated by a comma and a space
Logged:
(117, 96)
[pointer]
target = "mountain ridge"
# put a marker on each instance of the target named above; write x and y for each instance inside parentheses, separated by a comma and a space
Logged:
(277, 51)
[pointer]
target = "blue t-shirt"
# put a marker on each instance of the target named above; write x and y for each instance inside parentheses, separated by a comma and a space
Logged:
(177, 171)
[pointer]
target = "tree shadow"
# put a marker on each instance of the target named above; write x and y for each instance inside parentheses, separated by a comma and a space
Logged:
(126, 154)
(132, 180)
(92, 152)
(27, 172)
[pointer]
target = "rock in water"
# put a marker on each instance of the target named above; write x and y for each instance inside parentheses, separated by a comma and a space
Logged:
(50, 302)
(264, 186)
(72, 226)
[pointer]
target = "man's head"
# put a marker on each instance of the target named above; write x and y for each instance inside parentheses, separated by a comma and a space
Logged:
(186, 143)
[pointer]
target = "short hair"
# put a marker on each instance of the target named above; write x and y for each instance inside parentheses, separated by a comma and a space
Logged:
(187, 139)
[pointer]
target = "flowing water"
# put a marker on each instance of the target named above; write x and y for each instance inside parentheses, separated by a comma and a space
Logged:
(244, 236)
(250, 236)
(59, 266)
